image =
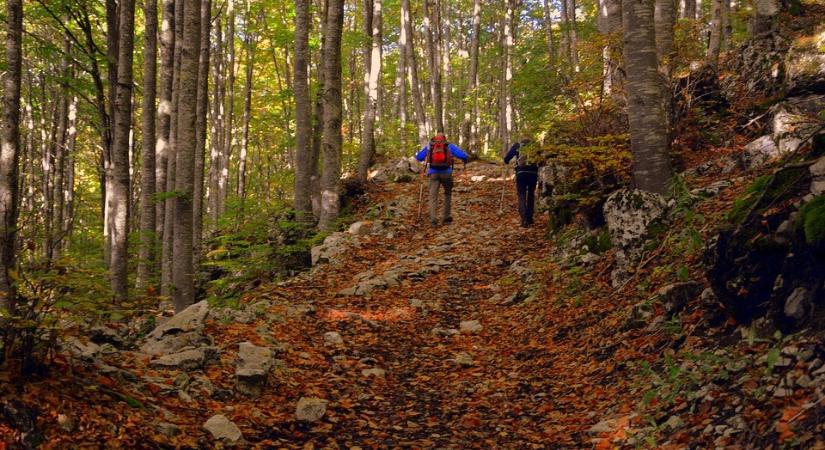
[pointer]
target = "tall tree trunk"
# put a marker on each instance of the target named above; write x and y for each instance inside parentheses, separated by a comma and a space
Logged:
(443, 26)
(167, 251)
(10, 157)
(164, 122)
(200, 129)
(688, 9)
(433, 54)
(548, 33)
(147, 174)
(69, 189)
(727, 25)
(401, 82)
(665, 21)
(368, 136)
(119, 200)
(217, 121)
(507, 97)
(229, 118)
(247, 110)
(468, 140)
(412, 69)
(303, 113)
(58, 197)
(715, 43)
(574, 40)
(331, 174)
(610, 25)
(646, 116)
(112, 47)
(185, 148)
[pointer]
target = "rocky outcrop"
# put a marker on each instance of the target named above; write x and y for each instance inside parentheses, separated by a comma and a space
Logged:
(252, 368)
(184, 329)
(629, 214)
(398, 171)
(333, 246)
(191, 359)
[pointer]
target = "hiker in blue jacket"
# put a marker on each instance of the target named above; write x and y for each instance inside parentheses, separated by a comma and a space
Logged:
(439, 156)
(527, 176)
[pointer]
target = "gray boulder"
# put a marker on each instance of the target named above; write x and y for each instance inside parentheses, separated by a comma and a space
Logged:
(675, 296)
(760, 152)
(252, 368)
(629, 214)
(361, 228)
(798, 304)
(191, 359)
(310, 409)
(818, 176)
(332, 247)
(223, 429)
(182, 330)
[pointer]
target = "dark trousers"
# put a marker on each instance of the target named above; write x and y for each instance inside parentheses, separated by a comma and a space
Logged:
(526, 188)
(445, 180)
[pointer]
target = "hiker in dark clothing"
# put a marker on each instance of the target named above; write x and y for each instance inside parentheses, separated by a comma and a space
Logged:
(439, 156)
(527, 176)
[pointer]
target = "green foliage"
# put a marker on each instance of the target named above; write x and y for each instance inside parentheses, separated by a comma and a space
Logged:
(743, 204)
(812, 220)
(600, 242)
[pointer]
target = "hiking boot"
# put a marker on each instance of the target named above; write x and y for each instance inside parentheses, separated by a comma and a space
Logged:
(448, 220)
(434, 223)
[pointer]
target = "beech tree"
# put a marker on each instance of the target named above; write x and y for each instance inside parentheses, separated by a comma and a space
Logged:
(331, 174)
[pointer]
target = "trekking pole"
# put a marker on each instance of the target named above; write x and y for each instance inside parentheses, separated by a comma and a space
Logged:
(505, 174)
(421, 192)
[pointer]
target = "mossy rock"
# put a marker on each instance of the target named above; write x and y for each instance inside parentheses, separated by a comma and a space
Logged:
(812, 220)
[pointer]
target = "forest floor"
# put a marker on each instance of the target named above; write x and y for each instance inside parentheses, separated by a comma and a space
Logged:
(547, 361)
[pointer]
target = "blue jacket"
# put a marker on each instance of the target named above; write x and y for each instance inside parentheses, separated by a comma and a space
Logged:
(456, 152)
(513, 153)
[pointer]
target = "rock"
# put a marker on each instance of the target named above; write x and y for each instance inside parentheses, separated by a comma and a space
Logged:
(416, 303)
(66, 423)
(106, 334)
(674, 422)
(470, 326)
(760, 152)
(182, 330)
(795, 119)
(86, 350)
(444, 332)
(223, 429)
(464, 359)
(629, 215)
(805, 65)
(798, 304)
(374, 372)
(639, 315)
(712, 190)
(604, 426)
(310, 409)
(333, 338)
(478, 178)
(251, 368)
(361, 228)
(201, 387)
(332, 247)
(675, 296)
(191, 359)
(167, 429)
(399, 171)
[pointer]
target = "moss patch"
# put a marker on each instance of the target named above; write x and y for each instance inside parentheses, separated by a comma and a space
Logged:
(812, 219)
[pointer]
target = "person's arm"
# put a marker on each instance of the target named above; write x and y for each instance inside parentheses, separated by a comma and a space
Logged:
(422, 154)
(459, 153)
(512, 153)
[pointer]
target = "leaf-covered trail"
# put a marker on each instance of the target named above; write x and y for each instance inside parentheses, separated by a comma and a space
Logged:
(522, 389)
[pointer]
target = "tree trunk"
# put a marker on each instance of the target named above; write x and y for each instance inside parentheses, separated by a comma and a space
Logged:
(303, 113)
(147, 174)
(434, 58)
(646, 115)
(250, 39)
(610, 25)
(229, 118)
(119, 199)
(375, 58)
(574, 40)
(217, 121)
(443, 27)
(200, 129)
(507, 98)
(688, 9)
(715, 42)
(185, 147)
(167, 66)
(331, 174)
(401, 82)
(412, 69)
(112, 47)
(468, 139)
(727, 26)
(10, 156)
(548, 33)
(665, 21)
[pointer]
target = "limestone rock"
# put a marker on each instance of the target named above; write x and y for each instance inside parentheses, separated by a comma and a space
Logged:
(464, 359)
(310, 409)
(470, 326)
(252, 367)
(374, 372)
(332, 247)
(182, 330)
(191, 359)
(798, 304)
(760, 152)
(333, 338)
(675, 296)
(361, 228)
(223, 429)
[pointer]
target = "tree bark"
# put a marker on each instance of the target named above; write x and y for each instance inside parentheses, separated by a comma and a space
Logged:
(229, 117)
(250, 39)
(434, 58)
(303, 113)
(374, 73)
(507, 97)
(548, 33)
(412, 70)
(645, 111)
(331, 174)
(688, 9)
(715, 42)
(217, 121)
(147, 174)
(167, 66)
(200, 128)
(665, 21)
(120, 185)
(443, 26)
(574, 40)
(10, 156)
(610, 25)
(401, 83)
(185, 148)
(468, 138)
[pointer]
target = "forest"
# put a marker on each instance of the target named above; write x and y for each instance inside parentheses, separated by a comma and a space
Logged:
(212, 210)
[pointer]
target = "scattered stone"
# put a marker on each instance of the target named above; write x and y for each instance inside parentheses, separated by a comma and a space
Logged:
(444, 332)
(470, 326)
(252, 367)
(86, 350)
(604, 426)
(675, 296)
(361, 228)
(464, 359)
(416, 303)
(798, 303)
(760, 152)
(712, 190)
(167, 429)
(310, 409)
(333, 338)
(223, 429)
(184, 329)
(191, 359)
(333, 246)
(674, 422)
(374, 372)
(478, 178)
(65, 423)
(201, 386)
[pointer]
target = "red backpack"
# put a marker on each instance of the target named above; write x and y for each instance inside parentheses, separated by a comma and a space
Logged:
(440, 156)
